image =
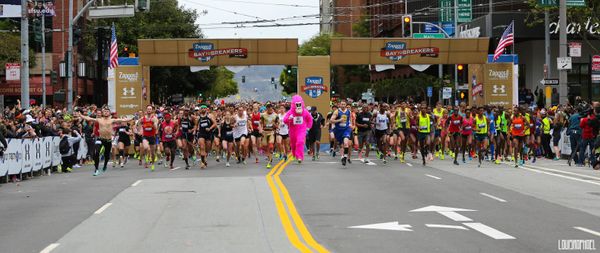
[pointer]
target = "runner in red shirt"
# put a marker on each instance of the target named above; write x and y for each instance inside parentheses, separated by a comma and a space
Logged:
(169, 130)
(149, 124)
(255, 135)
(454, 124)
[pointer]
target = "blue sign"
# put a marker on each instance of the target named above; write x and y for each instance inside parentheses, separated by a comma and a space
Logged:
(429, 91)
(431, 29)
(448, 28)
(395, 45)
(202, 46)
(314, 86)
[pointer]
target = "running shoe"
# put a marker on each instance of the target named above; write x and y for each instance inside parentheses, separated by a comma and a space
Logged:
(497, 161)
(97, 173)
(121, 165)
(455, 162)
(442, 156)
(227, 164)
(349, 161)
(314, 158)
(344, 161)
(152, 167)
(268, 165)
(104, 169)
(384, 161)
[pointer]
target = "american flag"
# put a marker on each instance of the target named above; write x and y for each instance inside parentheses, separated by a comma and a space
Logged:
(506, 40)
(114, 48)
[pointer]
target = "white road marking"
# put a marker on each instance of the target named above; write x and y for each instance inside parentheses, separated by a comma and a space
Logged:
(559, 175)
(386, 226)
(489, 231)
(325, 162)
(176, 168)
(445, 226)
(455, 216)
(409, 164)
(104, 207)
(136, 183)
(564, 172)
(50, 247)
(438, 178)
(588, 231)
(492, 197)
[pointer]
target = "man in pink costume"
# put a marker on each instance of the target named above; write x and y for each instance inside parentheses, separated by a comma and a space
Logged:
(299, 121)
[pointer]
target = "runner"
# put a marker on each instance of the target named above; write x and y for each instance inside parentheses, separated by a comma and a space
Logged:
(467, 134)
(363, 123)
(204, 128)
(149, 124)
(283, 140)
(342, 129)
(268, 123)
(240, 134)
(382, 125)
(518, 127)
(331, 125)
(169, 130)
(227, 135)
(425, 126)
(186, 137)
(255, 126)
(124, 141)
(105, 133)
(314, 134)
(481, 136)
(454, 125)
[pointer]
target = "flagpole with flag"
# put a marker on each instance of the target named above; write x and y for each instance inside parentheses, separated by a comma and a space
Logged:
(113, 63)
(506, 40)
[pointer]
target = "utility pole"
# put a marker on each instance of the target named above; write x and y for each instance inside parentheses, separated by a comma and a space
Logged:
(455, 36)
(562, 77)
(43, 60)
(547, 66)
(24, 56)
(69, 65)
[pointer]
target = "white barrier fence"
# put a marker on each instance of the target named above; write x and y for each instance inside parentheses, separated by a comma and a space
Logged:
(32, 155)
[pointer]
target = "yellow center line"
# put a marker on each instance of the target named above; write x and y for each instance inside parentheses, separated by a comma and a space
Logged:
(283, 216)
(306, 235)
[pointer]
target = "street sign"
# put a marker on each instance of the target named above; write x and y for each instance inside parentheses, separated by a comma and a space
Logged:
(575, 49)
(564, 63)
(446, 10)
(465, 11)
(554, 3)
(448, 28)
(429, 91)
(550, 82)
(429, 35)
(447, 93)
(13, 71)
(431, 29)
(595, 69)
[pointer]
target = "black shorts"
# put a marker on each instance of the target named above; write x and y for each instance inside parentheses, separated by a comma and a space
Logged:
(151, 139)
(125, 140)
(455, 135)
(204, 135)
(314, 136)
(422, 136)
(284, 136)
(227, 138)
(555, 140)
(380, 133)
(256, 134)
(240, 138)
(521, 139)
(170, 144)
(137, 141)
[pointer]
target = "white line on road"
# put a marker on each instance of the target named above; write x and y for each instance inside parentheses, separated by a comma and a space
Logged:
(136, 183)
(559, 175)
(409, 164)
(489, 231)
(104, 207)
(438, 178)
(455, 216)
(492, 197)
(50, 247)
(588, 231)
(176, 168)
(445, 226)
(564, 172)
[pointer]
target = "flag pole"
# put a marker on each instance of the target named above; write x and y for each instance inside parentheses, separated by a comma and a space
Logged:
(514, 37)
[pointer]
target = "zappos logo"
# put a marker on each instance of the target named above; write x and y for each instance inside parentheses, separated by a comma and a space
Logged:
(202, 46)
(395, 45)
(128, 77)
(314, 86)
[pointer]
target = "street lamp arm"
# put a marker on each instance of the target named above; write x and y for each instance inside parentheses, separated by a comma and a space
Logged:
(84, 9)
(432, 24)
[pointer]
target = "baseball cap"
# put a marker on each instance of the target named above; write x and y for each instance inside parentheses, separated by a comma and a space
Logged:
(203, 107)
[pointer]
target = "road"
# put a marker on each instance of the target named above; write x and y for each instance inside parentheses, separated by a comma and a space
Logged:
(435, 208)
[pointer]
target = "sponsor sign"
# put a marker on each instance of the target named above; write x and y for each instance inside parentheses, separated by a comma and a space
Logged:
(35, 89)
(395, 50)
(474, 32)
(13, 71)
(447, 93)
(205, 51)
(128, 90)
(314, 86)
(498, 79)
(39, 8)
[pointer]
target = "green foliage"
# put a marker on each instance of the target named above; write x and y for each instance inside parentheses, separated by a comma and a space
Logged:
(317, 45)
(394, 89)
(288, 80)
(355, 90)
(10, 49)
(223, 84)
(362, 28)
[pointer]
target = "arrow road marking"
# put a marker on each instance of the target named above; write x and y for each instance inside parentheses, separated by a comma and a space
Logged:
(386, 226)
(445, 226)
(588, 231)
(489, 231)
(449, 212)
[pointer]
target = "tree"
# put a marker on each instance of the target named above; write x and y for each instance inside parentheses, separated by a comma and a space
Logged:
(288, 80)
(223, 84)
(362, 28)
(319, 44)
(578, 15)
(10, 48)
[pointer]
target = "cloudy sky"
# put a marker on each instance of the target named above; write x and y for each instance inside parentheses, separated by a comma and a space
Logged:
(283, 11)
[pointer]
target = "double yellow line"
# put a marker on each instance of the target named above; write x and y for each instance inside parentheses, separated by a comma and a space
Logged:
(308, 244)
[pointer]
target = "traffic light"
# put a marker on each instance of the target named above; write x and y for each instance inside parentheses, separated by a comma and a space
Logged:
(407, 26)
(272, 80)
(462, 95)
(37, 30)
(53, 77)
(125, 52)
(243, 79)
(460, 73)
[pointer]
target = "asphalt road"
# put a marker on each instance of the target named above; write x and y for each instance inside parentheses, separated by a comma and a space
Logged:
(437, 208)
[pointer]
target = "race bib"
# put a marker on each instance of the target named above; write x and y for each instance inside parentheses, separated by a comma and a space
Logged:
(531, 125)
(518, 126)
(423, 128)
(298, 120)
(365, 119)
(148, 129)
(204, 124)
(468, 128)
(185, 125)
(98, 142)
(241, 123)
(269, 126)
(481, 125)
(403, 120)
(413, 127)
(256, 122)
(168, 136)
(456, 122)
(229, 133)
(122, 130)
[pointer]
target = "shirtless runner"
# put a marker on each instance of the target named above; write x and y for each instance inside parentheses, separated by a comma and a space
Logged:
(105, 130)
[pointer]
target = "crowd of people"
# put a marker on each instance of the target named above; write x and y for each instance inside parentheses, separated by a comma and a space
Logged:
(242, 132)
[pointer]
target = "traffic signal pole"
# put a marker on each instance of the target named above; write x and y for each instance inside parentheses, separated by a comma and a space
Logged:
(69, 65)
(562, 40)
(455, 36)
(24, 56)
(43, 60)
